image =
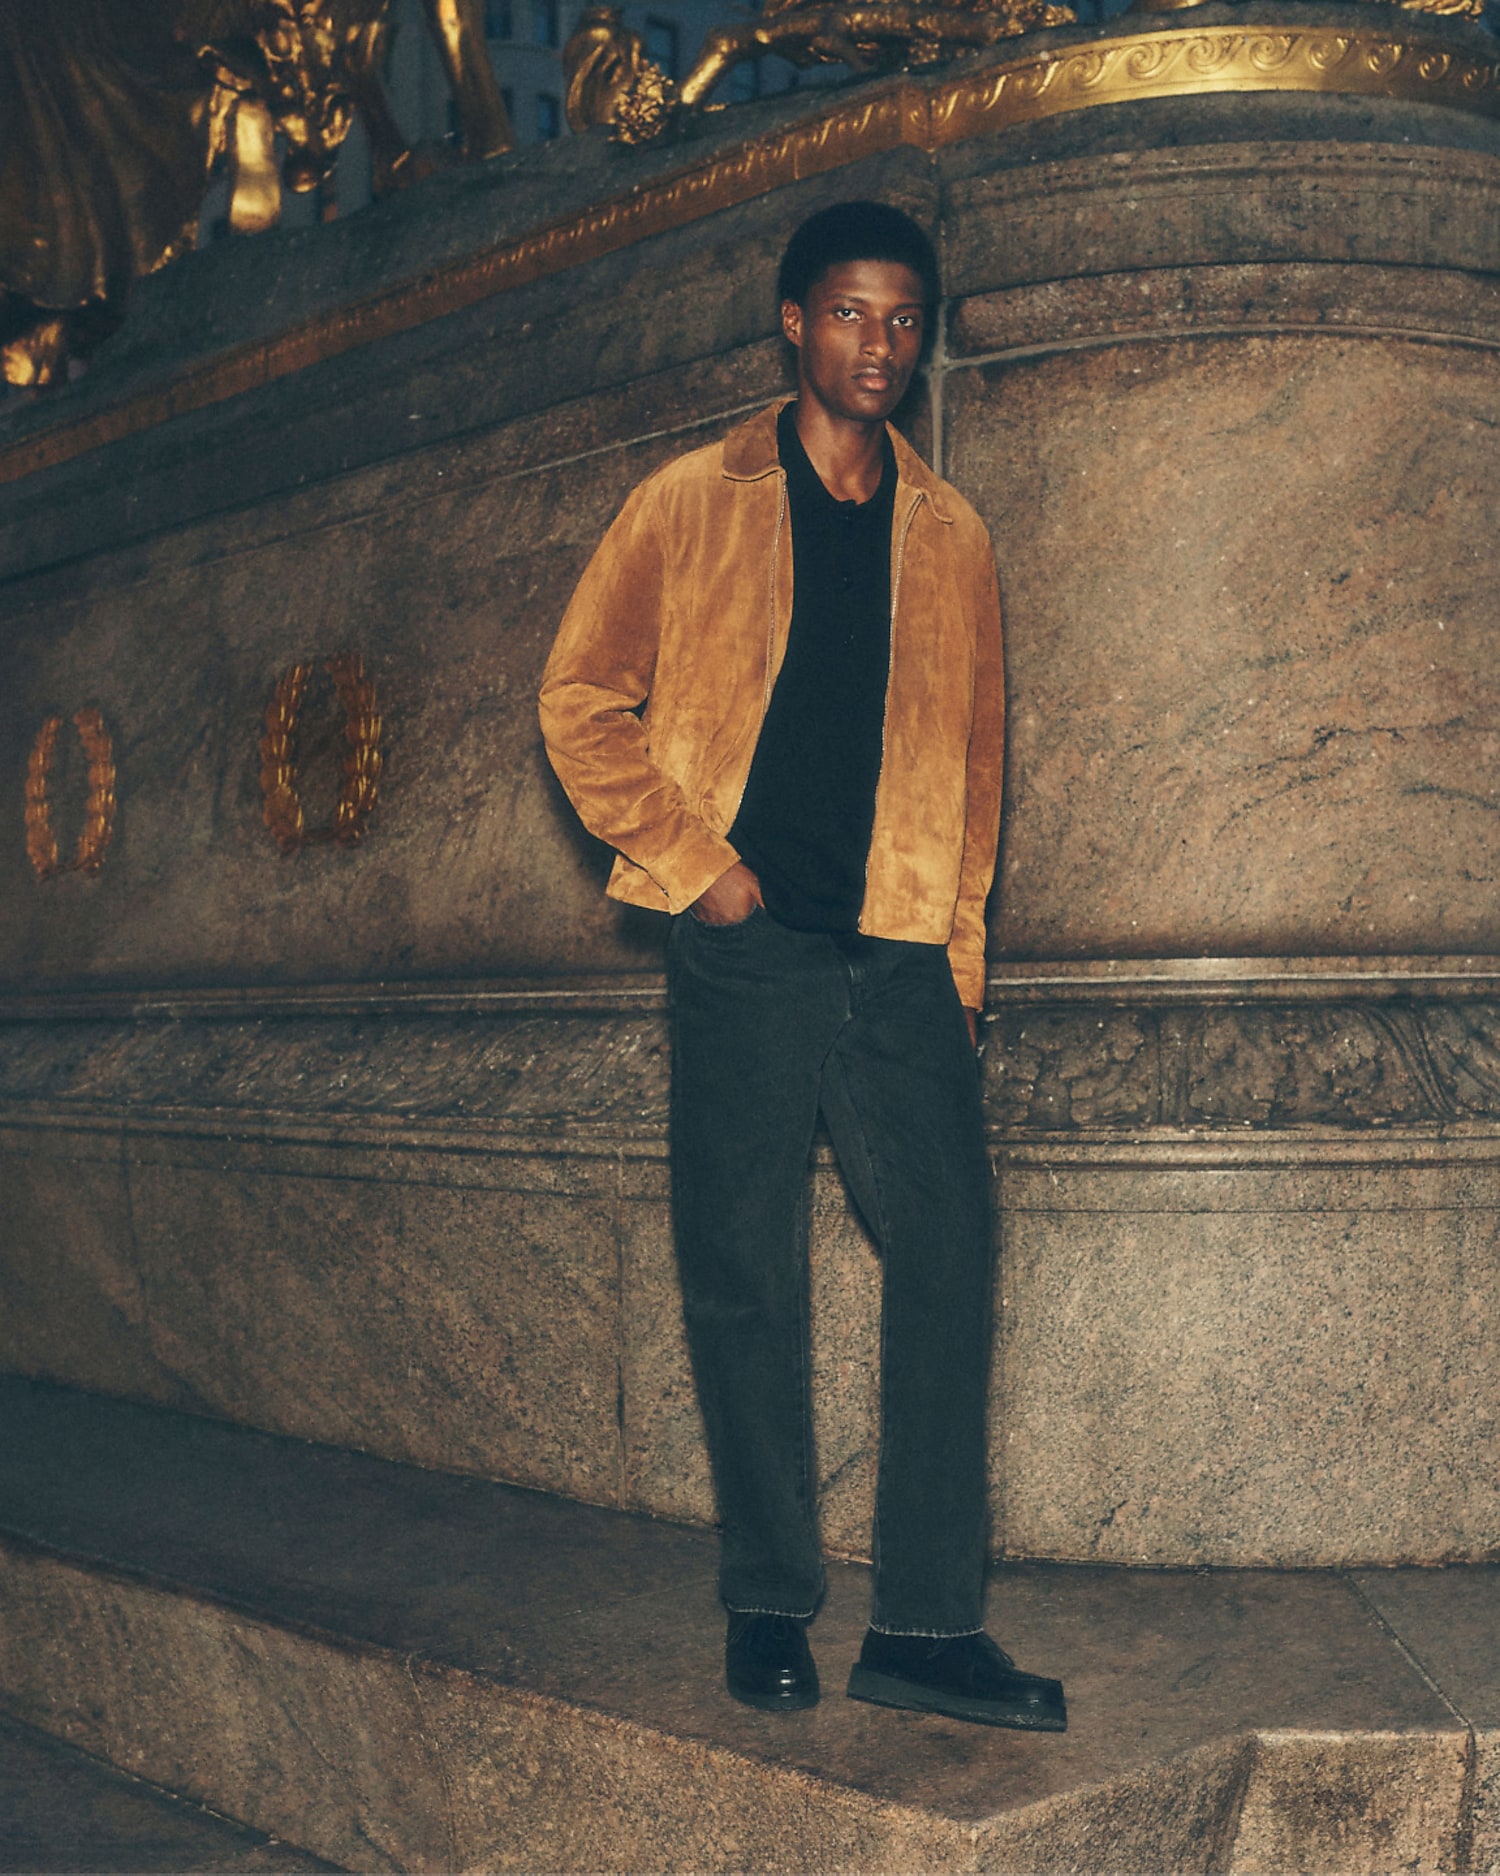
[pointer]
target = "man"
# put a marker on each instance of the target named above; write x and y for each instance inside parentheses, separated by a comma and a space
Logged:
(777, 693)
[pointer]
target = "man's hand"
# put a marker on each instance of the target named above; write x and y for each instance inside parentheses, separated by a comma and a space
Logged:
(971, 1017)
(730, 899)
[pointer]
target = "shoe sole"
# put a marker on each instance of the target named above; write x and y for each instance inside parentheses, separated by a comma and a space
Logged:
(777, 1703)
(887, 1690)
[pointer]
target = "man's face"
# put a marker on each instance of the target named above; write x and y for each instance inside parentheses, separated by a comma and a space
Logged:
(858, 336)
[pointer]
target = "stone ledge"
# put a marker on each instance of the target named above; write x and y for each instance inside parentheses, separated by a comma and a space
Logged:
(1262, 201)
(1294, 979)
(401, 1670)
(1338, 298)
(246, 1137)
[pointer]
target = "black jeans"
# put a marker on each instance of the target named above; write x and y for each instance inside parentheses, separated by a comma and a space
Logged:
(768, 1027)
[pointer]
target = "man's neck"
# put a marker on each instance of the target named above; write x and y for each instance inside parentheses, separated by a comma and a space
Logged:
(849, 457)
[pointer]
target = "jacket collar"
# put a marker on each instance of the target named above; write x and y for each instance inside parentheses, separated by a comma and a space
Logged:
(750, 452)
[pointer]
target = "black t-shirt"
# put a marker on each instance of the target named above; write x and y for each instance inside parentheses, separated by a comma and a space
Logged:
(805, 819)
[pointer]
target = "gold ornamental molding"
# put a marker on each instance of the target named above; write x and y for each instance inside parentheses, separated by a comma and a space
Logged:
(1215, 59)
(279, 779)
(99, 808)
(1404, 65)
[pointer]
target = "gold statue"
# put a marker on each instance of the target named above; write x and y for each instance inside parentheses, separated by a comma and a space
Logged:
(610, 81)
(113, 113)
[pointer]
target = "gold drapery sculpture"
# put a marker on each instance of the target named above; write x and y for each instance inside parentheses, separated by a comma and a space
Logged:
(611, 81)
(114, 112)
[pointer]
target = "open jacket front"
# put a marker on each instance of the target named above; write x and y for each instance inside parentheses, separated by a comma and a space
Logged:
(685, 610)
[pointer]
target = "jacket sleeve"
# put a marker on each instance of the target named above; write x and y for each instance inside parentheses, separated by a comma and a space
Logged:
(597, 678)
(986, 765)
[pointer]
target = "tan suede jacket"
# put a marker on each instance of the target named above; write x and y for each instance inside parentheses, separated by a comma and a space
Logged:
(657, 687)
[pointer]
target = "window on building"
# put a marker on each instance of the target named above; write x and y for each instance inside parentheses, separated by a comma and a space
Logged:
(548, 118)
(544, 22)
(661, 44)
(497, 23)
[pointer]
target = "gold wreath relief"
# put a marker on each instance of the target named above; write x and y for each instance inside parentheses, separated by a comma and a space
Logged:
(99, 808)
(282, 810)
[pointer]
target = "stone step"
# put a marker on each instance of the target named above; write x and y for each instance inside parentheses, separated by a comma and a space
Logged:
(65, 1814)
(405, 1670)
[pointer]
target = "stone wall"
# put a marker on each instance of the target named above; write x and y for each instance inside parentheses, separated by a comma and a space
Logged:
(366, 1143)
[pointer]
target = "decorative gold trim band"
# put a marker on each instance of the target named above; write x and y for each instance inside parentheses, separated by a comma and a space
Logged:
(1177, 63)
(1191, 64)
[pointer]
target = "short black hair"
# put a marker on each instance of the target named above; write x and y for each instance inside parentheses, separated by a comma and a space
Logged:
(855, 231)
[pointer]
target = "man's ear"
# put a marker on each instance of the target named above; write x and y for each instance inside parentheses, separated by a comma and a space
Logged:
(791, 322)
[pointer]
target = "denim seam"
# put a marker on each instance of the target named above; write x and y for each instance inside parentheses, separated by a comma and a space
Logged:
(791, 1615)
(882, 1227)
(927, 1634)
(806, 1490)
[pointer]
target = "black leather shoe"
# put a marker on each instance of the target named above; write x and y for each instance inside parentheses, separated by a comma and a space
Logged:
(768, 1664)
(965, 1676)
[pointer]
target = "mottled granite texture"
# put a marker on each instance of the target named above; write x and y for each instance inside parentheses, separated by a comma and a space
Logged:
(1250, 1366)
(400, 1670)
(1263, 719)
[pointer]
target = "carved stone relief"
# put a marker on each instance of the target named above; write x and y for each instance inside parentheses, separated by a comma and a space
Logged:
(1256, 1065)
(1048, 1071)
(530, 1070)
